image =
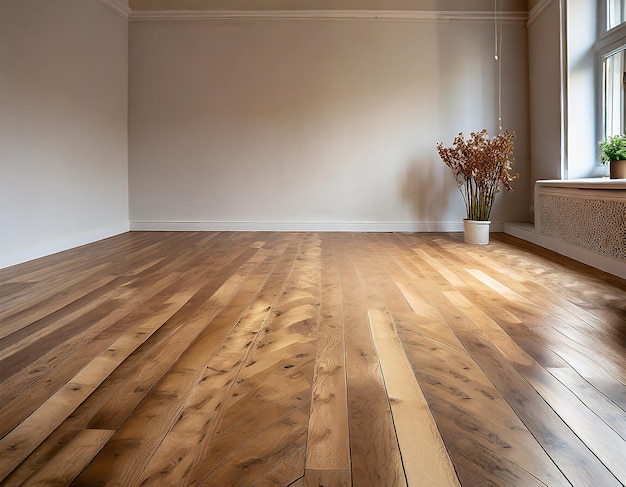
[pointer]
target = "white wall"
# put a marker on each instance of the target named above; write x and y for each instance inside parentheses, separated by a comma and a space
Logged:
(63, 126)
(582, 106)
(314, 124)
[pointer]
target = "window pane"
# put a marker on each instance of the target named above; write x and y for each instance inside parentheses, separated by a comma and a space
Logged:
(615, 13)
(614, 94)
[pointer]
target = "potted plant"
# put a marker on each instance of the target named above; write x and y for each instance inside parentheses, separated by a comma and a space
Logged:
(480, 164)
(613, 152)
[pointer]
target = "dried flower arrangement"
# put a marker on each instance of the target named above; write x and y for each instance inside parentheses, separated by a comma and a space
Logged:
(479, 164)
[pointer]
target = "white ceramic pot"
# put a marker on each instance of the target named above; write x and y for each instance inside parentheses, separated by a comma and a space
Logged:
(476, 232)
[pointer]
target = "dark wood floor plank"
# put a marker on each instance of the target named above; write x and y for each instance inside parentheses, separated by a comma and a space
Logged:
(71, 460)
(22, 321)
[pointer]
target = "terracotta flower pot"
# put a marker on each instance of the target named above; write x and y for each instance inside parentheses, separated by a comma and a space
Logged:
(618, 169)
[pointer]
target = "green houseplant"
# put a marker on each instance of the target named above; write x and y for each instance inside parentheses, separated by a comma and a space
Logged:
(613, 152)
(480, 165)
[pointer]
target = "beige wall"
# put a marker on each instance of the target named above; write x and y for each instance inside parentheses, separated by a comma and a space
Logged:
(63, 126)
(243, 124)
(314, 124)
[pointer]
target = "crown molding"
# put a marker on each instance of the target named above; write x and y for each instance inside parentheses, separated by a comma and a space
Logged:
(120, 7)
(538, 10)
(405, 15)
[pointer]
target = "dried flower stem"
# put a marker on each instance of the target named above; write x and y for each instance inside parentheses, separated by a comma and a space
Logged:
(479, 164)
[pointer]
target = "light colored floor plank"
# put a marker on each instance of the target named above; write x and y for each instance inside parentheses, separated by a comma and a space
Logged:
(328, 444)
(424, 454)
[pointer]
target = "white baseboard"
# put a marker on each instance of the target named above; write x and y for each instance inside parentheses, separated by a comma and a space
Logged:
(276, 226)
(25, 254)
(526, 231)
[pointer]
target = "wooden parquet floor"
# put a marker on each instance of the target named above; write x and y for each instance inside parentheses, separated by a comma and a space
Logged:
(311, 359)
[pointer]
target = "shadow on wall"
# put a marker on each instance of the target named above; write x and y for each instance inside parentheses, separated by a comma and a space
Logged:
(427, 191)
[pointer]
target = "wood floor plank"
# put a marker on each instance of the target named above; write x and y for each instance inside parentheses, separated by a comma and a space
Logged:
(602, 406)
(424, 454)
(450, 378)
(45, 300)
(369, 411)
(275, 383)
(256, 458)
(564, 314)
(580, 466)
(87, 380)
(20, 324)
(566, 339)
(23, 439)
(149, 367)
(328, 446)
(306, 359)
(37, 382)
(495, 367)
(137, 439)
(596, 434)
(323, 478)
(40, 364)
(286, 472)
(71, 460)
(200, 416)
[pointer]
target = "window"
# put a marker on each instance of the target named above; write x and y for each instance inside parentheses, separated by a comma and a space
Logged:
(611, 50)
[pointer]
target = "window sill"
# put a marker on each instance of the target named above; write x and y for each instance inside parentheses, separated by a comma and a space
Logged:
(588, 183)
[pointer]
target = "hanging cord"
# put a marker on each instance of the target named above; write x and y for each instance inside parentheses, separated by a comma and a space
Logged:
(497, 27)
